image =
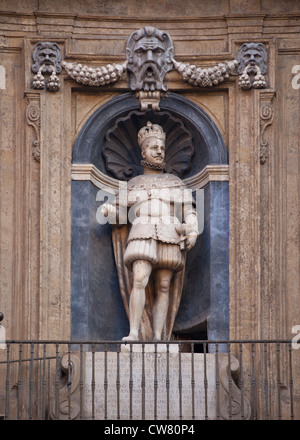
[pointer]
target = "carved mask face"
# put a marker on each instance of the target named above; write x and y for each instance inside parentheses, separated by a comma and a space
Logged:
(153, 150)
(149, 56)
(252, 55)
(47, 54)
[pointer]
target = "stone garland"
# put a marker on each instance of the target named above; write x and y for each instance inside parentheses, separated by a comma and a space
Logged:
(94, 76)
(212, 76)
(110, 73)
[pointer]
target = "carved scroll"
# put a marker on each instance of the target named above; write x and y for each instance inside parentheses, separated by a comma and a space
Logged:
(266, 116)
(65, 403)
(233, 404)
(33, 118)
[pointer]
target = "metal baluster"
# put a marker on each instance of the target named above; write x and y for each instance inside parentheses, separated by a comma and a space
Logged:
(105, 381)
(229, 382)
(44, 383)
(217, 382)
(93, 384)
(193, 382)
(81, 383)
(130, 384)
(7, 395)
(205, 383)
(57, 383)
(168, 382)
(19, 381)
(242, 382)
(278, 380)
(155, 381)
(253, 381)
(49, 387)
(69, 383)
(180, 383)
(118, 383)
(143, 384)
(266, 382)
(291, 381)
(31, 381)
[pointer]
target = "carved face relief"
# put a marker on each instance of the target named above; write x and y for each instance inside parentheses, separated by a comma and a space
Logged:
(149, 56)
(153, 150)
(48, 55)
(252, 55)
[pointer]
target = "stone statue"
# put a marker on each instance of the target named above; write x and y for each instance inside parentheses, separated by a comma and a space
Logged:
(150, 251)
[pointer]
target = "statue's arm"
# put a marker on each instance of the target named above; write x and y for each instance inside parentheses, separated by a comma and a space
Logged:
(115, 214)
(190, 220)
(192, 232)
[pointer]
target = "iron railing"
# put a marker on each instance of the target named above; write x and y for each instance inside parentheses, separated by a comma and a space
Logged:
(170, 380)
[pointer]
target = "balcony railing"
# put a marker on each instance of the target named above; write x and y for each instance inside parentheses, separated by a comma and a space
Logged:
(179, 380)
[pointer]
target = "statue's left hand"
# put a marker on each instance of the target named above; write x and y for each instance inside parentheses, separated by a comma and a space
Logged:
(190, 241)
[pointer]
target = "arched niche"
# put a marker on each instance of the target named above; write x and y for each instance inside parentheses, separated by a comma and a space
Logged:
(97, 311)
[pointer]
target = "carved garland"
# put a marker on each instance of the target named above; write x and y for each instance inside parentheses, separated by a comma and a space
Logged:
(146, 73)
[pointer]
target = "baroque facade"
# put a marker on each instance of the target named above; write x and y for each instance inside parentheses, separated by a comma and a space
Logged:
(256, 111)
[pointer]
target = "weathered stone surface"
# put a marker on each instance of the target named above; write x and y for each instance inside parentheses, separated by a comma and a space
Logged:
(159, 386)
(35, 200)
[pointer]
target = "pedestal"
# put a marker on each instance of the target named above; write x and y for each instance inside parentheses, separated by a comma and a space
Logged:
(135, 384)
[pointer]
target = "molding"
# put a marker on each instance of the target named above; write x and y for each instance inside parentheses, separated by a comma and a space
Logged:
(88, 172)
(33, 118)
(266, 116)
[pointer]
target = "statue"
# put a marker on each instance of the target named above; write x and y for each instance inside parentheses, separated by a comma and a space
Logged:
(150, 252)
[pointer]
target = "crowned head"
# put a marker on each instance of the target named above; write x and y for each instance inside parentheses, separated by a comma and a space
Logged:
(150, 131)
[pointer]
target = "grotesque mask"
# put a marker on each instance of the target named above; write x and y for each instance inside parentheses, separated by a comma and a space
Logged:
(48, 55)
(253, 56)
(149, 58)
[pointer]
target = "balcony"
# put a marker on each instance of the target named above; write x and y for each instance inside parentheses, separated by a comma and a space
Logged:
(174, 380)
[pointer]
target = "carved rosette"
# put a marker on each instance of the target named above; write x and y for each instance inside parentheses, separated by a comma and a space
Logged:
(33, 118)
(122, 154)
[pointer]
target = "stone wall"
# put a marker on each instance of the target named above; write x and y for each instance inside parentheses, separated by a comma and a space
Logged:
(35, 186)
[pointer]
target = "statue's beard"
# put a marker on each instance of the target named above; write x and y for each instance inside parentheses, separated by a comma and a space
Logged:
(149, 77)
(252, 68)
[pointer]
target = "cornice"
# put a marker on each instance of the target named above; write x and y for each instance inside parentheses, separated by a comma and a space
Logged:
(210, 173)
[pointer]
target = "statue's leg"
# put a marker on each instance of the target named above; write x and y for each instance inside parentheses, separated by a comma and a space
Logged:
(141, 272)
(161, 304)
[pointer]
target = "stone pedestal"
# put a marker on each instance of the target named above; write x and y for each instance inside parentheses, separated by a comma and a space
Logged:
(143, 384)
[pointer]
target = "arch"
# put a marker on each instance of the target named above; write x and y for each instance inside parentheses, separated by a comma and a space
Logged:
(209, 145)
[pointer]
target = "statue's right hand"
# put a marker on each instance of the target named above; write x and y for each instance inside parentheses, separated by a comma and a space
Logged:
(108, 210)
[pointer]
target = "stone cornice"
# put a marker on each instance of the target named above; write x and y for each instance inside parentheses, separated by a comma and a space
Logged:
(210, 173)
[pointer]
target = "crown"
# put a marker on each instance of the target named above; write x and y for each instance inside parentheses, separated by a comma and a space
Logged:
(149, 131)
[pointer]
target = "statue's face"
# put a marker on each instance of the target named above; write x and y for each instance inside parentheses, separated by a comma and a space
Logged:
(46, 54)
(149, 58)
(253, 58)
(252, 55)
(153, 151)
